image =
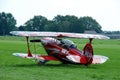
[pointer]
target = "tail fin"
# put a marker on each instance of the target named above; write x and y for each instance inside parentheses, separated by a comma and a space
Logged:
(88, 53)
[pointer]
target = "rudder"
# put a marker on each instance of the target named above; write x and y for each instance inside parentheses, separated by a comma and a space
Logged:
(88, 53)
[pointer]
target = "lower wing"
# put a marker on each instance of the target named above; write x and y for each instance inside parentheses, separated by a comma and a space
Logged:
(99, 59)
(35, 56)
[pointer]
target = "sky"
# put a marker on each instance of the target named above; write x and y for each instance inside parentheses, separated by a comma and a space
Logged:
(105, 12)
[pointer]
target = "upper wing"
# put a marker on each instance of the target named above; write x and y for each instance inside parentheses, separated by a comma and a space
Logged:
(74, 35)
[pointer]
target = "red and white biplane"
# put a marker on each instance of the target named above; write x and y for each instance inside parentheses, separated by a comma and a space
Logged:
(60, 49)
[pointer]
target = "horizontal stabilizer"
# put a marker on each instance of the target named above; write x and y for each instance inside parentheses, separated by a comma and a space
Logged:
(99, 59)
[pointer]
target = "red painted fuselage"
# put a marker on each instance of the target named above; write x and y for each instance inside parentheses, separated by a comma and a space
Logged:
(67, 52)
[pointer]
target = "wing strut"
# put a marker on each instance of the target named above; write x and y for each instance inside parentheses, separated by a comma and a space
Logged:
(29, 52)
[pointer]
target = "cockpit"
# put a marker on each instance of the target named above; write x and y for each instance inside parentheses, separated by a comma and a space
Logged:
(66, 43)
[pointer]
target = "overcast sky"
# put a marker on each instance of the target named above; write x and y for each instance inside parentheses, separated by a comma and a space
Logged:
(106, 12)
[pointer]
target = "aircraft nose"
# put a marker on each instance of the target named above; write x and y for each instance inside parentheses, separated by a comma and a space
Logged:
(35, 40)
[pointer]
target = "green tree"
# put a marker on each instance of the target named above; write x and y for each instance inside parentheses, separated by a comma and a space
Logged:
(7, 23)
(21, 28)
(36, 24)
(51, 26)
(69, 23)
(90, 24)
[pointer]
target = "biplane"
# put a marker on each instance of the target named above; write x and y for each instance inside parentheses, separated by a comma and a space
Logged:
(62, 49)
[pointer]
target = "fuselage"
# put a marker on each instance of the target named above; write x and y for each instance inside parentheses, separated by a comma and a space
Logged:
(64, 50)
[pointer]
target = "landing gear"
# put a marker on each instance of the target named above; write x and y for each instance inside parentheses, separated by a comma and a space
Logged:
(42, 62)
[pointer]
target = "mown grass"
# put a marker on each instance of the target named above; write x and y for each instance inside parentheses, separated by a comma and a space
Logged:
(14, 68)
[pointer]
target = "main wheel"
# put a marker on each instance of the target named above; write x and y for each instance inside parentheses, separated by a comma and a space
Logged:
(41, 62)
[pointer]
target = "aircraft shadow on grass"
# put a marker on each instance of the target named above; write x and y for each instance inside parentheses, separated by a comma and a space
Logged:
(56, 66)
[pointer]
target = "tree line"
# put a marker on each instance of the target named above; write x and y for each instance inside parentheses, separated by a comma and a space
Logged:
(60, 23)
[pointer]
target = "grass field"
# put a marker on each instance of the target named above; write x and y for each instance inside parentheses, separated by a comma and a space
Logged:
(15, 68)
